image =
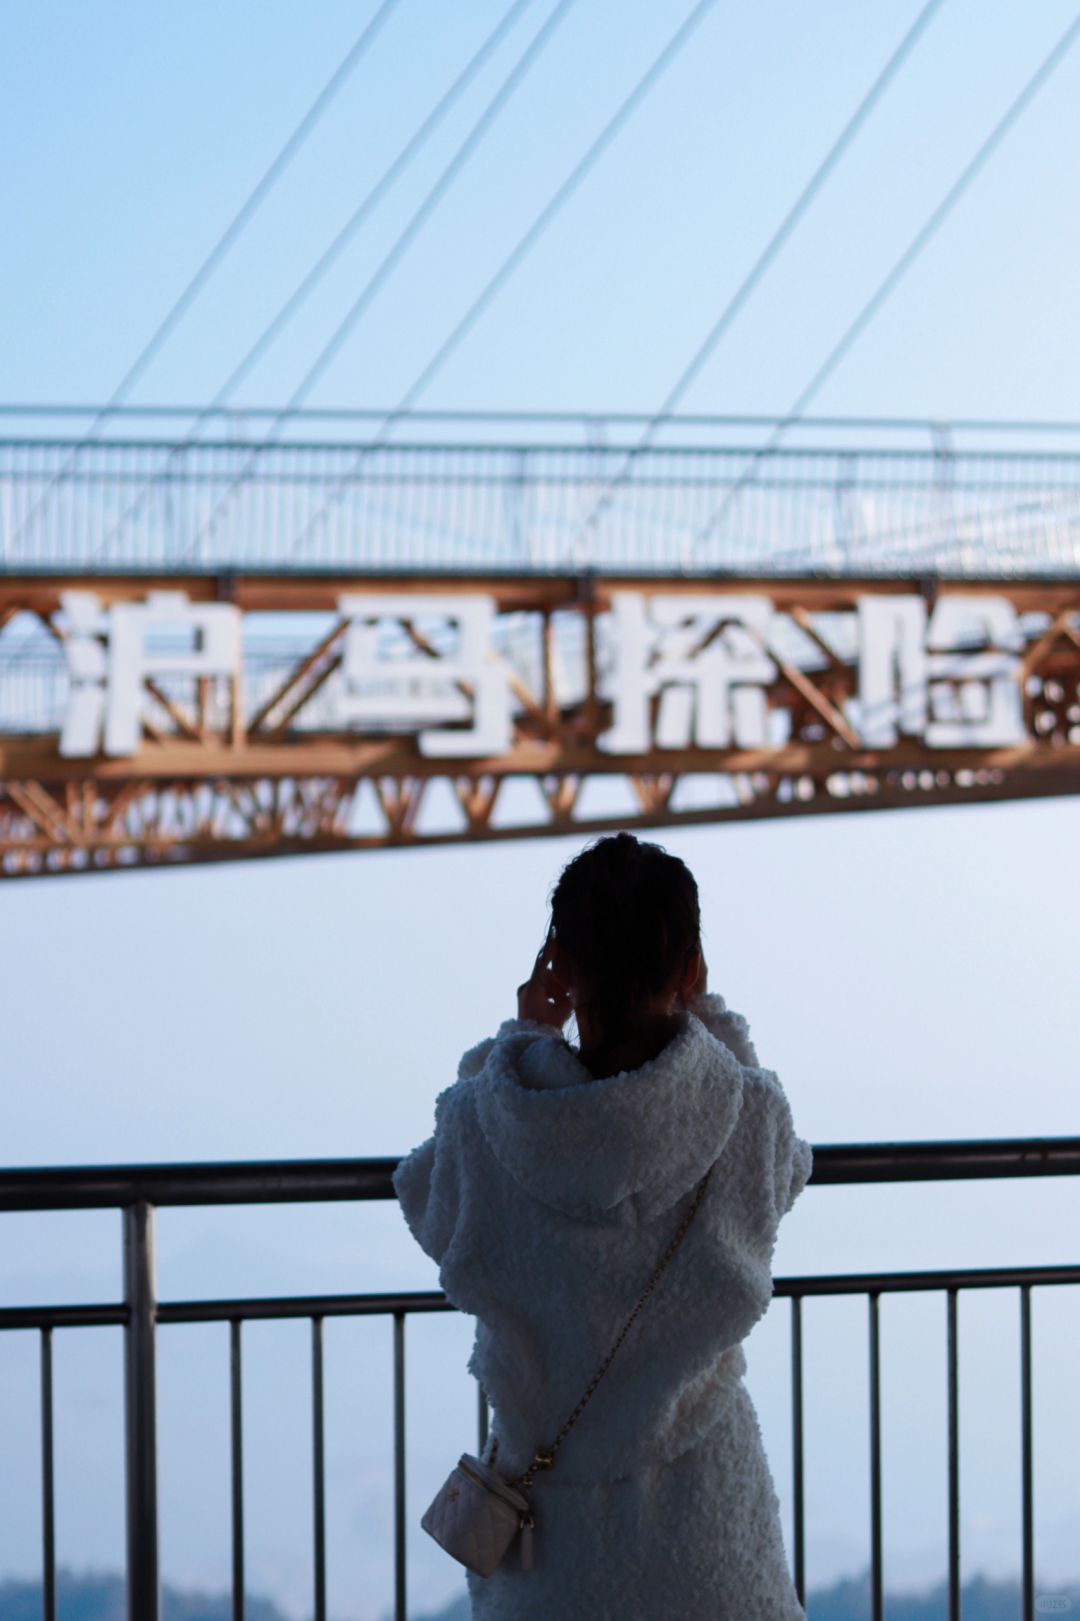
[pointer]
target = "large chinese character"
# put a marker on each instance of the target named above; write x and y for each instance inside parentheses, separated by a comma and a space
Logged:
(892, 669)
(424, 685)
(110, 653)
(955, 681)
(976, 695)
(703, 658)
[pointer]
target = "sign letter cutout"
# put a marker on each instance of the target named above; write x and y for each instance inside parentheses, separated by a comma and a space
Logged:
(956, 682)
(109, 656)
(379, 684)
(703, 657)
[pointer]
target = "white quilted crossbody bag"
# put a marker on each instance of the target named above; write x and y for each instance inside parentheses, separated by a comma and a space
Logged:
(476, 1514)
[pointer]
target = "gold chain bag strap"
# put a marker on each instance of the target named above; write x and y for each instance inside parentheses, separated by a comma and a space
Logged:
(476, 1514)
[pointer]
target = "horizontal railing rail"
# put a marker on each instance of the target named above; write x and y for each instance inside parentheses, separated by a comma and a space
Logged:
(292, 1181)
(738, 502)
(136, 1190)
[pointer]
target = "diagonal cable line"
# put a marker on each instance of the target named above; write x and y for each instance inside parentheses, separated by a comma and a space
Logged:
(502, 96)
(222, 246)
(762, 263)
(902, 265)
(378, 191)
(332, 253)
(261, 190)
(522, 247)
(388, 264)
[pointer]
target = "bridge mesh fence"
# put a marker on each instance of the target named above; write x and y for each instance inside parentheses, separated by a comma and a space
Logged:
(156, 505)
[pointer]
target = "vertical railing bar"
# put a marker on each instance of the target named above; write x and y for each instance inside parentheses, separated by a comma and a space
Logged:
(877, 1598)
(48, 1520)
(319, 1466)
(140, 1414)
(236, 1417)
(481, 1417)
(400, 1611)
(954, 1461)
(1026, 1449)
(799, 1501)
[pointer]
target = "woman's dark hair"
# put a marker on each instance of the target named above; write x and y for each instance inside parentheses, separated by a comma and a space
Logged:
(626, 914)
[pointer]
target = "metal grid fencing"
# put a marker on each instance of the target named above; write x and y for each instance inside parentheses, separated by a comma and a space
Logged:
(80, 506)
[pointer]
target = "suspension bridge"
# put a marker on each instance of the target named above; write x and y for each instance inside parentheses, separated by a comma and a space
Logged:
(225, 644)
(230, 633)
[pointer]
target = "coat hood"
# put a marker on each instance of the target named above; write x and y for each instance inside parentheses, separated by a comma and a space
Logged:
(587, 1146)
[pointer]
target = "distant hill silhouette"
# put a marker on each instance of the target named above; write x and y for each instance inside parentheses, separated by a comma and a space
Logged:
(982, 1600)
(94, 1597)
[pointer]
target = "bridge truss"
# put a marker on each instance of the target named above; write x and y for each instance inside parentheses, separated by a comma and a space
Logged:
(679, 635)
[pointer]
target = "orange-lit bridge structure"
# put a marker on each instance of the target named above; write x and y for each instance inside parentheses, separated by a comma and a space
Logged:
(242, 634)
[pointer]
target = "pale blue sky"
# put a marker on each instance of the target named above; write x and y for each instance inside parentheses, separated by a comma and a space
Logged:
(909, 975)
(134, 133)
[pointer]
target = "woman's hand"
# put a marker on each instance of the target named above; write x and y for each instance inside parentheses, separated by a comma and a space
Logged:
(542, 997)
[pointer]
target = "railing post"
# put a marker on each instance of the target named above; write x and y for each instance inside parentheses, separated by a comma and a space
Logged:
(877, 1594)
(482, 1418)
(140, 1414)
(955, 1599)
(1027, 1530)
(48, 1492)
(401, 1609)
(236, 1426)
(798, 1469)
(318, 1466)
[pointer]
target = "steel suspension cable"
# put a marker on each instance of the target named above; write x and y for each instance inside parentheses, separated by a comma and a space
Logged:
(260, 192)
(222, 246)
(899, 269)
(378, 191)
(762, 263)
(332, 253)
(388, 264)
(525, 243)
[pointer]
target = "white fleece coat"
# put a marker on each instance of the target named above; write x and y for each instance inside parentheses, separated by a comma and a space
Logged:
(548, 1199)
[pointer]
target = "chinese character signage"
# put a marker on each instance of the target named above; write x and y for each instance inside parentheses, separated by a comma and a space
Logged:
(463, 684)
(684, 670)
(110, 654)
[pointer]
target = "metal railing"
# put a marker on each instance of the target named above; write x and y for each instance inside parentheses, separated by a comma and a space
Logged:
(137, 1191)
(537, 494)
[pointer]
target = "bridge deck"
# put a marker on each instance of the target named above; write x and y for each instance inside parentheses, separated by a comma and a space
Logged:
(221, 648)
(617, 496)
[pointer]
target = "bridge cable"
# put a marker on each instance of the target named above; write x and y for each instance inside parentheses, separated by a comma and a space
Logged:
(388, 264)
(374, 196)
(331, 254)
(763, 262)
(902, 265)
(222, 246)
(523, 246)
